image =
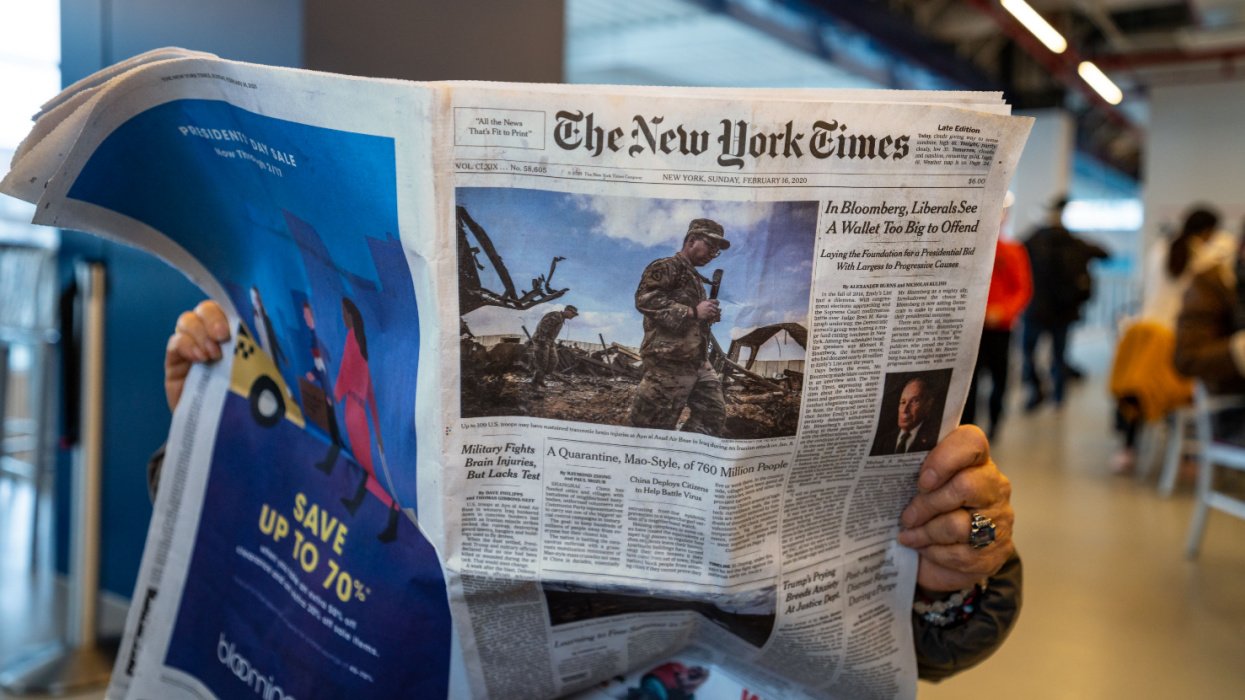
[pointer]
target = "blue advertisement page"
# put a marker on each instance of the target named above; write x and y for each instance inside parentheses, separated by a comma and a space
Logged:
(293, 591)
(305, 580)
(299, 224)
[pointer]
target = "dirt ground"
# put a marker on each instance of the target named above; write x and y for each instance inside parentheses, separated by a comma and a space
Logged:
(607, 400)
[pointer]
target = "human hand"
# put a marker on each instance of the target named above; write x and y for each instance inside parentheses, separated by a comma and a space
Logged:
(708, 310)
(957, 479)
(196, 338)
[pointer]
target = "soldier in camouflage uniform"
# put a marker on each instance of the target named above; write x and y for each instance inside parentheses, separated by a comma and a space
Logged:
(544, 343)
(677, 315)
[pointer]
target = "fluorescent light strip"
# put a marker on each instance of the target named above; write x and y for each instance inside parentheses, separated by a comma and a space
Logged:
(1039, 27)
(1100, 82)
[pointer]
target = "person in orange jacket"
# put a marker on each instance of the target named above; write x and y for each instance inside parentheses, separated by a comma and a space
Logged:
(1011, 288)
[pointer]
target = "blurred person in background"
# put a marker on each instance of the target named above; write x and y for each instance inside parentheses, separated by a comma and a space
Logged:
(1061, 286)
(1144, 380)
(1171, 265)
(1011, 288)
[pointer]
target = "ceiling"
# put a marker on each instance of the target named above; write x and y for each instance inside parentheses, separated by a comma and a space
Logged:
(1139, 43)
(970, 44)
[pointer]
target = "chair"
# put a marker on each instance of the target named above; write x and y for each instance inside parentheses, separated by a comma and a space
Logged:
(1167, 441)
(27, 351)
(1213, 454)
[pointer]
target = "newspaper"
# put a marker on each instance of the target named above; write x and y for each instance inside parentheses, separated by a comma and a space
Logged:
(372, 494)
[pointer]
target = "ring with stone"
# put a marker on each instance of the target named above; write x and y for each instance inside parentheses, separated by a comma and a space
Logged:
(981, 531)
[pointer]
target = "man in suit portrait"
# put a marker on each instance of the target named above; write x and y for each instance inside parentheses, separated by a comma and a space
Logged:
(914, 431)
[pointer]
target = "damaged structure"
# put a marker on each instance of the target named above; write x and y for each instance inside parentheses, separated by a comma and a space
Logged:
(472, 294)
(753, 340)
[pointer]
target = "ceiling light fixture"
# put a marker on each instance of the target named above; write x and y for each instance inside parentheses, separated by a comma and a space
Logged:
(1100, 82)
(1040, 28)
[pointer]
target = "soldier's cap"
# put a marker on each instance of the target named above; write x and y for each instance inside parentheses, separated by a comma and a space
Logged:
(571, 307)
(711, 230)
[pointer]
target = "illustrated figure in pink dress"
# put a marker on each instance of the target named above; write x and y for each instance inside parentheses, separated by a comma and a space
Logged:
(355, 393)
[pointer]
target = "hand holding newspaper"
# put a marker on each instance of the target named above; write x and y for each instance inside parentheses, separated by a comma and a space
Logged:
(754, 313)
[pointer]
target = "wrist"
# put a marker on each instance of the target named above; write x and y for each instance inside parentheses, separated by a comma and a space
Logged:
(948, 608)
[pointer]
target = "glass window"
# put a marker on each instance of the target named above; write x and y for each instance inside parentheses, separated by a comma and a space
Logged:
(30, 52)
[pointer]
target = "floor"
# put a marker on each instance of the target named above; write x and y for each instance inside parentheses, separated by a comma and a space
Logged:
(1112, 607)
(32, 600)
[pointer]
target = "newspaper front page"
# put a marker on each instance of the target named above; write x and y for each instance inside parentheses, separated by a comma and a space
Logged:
(861, 233)
(418, 474)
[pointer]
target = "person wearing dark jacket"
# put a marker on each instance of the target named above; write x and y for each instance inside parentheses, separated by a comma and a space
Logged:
(960, 523)
(1061, 286)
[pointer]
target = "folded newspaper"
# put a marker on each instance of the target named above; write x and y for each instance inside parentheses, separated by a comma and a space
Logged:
(687, 479)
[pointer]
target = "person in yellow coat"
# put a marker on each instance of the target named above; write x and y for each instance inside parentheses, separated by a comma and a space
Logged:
(1144, 380)
(1143, 374)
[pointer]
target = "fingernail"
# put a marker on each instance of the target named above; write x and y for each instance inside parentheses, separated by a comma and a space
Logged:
(200, 355)
(905, 537)
(220, 330)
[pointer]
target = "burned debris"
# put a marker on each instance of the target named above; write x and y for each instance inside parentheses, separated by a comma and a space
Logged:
(595, 384)
(472, 294)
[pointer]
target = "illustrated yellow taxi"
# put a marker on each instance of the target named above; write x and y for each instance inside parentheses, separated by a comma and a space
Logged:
(255, 378)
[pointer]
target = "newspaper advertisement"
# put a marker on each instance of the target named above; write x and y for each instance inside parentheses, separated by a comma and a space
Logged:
(278, 551)
(484, 427)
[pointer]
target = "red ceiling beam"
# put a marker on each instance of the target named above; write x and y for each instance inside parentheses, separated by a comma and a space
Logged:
(1169, 57)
